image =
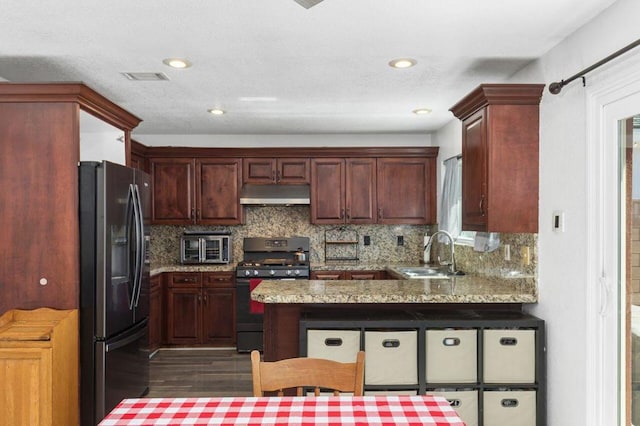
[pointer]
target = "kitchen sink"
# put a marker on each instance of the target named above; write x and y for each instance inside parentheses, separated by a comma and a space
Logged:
(421, 272)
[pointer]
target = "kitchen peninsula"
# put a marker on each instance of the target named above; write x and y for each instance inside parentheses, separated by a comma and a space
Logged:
(286, 302)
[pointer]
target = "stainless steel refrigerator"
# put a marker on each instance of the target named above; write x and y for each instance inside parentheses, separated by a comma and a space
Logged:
(114, 286)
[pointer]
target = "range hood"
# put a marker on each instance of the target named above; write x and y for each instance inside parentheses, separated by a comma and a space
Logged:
(275, 195)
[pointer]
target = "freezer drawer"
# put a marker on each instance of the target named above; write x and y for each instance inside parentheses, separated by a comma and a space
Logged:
(509, 356)
(391, 357)
(513, 408)
(451, 356)
(336, 345)
(465, 402)
(122, 368)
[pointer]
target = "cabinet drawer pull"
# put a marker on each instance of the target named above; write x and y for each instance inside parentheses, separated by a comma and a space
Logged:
(482, 205)
(391, 343)
(508, 341)
(451, 341)
(509, 403)
(333, 341)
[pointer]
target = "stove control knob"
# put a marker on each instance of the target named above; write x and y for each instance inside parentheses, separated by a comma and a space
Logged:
(255, 272)
(288, 271)
(297, 272)
(272, 272)
(247, 273)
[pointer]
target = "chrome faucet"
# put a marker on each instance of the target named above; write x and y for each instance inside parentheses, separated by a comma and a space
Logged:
(452, 264)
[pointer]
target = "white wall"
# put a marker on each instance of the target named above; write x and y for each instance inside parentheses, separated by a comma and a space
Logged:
(100, 141)
(562, 263)
(297, 141)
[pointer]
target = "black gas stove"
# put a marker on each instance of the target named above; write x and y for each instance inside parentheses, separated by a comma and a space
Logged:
(274, 258)
(285, 258)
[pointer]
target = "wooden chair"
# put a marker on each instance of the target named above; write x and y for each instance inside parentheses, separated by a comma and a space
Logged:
(307, 372)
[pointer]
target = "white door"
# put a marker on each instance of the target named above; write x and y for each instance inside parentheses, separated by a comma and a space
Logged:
(611, 102)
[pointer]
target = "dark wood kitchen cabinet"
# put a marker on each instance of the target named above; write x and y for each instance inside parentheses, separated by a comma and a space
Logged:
(343, 190)
(202, 191)
(500, 133)
(284, 170)
(155, 312)
(406, 190)
(40, 138)
(200, 309)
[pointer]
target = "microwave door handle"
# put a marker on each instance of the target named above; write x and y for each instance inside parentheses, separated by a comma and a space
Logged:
(203, 250)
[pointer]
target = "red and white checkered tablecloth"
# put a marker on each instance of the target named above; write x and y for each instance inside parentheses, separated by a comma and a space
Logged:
(302, 411)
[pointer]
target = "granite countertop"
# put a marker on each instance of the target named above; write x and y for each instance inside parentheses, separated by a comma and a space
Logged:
(193, 268)
(459, 289)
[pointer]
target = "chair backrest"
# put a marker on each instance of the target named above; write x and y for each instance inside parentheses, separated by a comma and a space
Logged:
(300, 373)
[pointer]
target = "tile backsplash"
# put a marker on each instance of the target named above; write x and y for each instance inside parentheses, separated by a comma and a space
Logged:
(280, 221)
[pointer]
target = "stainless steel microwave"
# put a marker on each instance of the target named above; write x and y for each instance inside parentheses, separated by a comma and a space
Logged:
(205, 248)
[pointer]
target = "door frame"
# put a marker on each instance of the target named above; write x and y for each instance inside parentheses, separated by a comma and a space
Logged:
(610, 96)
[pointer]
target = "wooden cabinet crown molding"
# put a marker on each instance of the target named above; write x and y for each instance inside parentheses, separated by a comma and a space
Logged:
(406, 151)
(497, 94)
(89, 100)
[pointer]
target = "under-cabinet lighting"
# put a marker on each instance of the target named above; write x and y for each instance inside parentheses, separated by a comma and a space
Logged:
(422, 111)
(216, 111)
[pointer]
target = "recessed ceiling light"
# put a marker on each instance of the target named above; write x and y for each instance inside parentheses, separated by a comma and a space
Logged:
(422, 111)
(177, 63)
(216, 111)
(403, 63)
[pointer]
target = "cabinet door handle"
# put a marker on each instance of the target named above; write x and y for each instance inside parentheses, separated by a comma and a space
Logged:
(380, 213)
(348, 214)
(205, 299)
(341, 213)
(482, 205)
(274, 178)
(193, 213)
(199, 214)
(278, 176)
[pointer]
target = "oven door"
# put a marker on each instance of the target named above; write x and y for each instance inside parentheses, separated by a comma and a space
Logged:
(248, 323)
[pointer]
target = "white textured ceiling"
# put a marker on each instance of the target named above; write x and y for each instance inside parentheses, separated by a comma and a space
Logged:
(325, 66)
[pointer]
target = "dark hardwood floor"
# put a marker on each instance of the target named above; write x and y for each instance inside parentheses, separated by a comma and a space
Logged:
(199, 373)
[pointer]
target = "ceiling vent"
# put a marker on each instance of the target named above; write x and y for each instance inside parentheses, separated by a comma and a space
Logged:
(146, 76)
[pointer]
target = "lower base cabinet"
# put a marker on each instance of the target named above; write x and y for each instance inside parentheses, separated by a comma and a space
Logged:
(39, 367)
(200, 309)
(490, 366)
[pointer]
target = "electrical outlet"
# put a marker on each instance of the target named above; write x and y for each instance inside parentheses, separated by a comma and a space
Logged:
(400, 240)
(507, 252)
(526, 256)
(367, 240)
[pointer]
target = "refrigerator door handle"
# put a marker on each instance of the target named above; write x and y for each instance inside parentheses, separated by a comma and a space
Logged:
(135, 334)
(140, 249)
(132, 218)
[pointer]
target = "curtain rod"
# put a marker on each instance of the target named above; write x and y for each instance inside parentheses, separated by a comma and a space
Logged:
(459, 156)
(556, 87)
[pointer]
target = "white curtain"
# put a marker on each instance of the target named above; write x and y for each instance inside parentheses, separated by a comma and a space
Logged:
(451, 205)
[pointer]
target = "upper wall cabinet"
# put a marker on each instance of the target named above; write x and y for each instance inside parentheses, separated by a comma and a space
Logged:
(369, 190)
(343, 190)
(406, 190)
(290, 171)
(196, 191)
(500, 133)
